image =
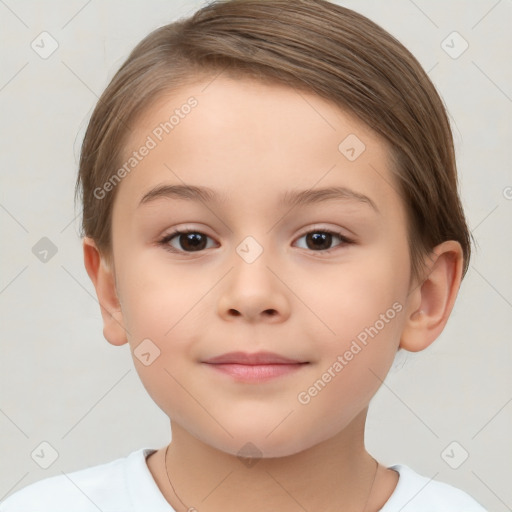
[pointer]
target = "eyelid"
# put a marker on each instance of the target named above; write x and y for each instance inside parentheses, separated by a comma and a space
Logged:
(314, 227)
(345, 240)
(181, 230)
(186, 228)
(321, 227)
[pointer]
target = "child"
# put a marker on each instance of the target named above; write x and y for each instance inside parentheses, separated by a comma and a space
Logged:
(270, 212)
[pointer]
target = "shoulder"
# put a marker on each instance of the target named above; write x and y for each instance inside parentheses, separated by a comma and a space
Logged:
(95, 488)
(416, 493)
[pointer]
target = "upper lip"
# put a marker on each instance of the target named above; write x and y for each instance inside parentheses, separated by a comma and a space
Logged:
(251, 359)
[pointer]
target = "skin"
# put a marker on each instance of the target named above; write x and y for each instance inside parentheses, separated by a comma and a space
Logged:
(252, 142)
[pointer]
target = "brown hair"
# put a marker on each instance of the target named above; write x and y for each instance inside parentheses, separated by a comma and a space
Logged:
(312, 45)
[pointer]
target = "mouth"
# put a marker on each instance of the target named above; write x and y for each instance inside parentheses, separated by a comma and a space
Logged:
(257, 367)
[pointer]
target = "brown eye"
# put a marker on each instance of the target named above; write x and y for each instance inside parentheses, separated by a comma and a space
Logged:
(185, 241)
(192, 241)
(321, 240)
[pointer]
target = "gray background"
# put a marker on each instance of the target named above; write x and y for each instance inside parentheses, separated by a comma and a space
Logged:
(63, 384)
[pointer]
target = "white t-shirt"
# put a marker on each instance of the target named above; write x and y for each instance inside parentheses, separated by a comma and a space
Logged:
(127, 485)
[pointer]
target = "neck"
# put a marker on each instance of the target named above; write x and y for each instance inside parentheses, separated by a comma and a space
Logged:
(337, 474)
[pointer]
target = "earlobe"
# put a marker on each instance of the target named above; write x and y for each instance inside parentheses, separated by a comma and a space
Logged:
(431, 303)
(103, 279)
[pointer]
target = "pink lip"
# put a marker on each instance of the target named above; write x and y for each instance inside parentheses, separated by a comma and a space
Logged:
(257, 367)
(258, 358)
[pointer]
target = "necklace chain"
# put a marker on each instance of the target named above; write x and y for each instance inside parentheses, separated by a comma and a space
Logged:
(192, 509)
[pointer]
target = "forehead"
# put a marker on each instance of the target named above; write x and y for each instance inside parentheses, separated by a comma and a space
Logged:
(250, 138)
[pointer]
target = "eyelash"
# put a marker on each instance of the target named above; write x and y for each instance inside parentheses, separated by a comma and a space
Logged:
(167, 238)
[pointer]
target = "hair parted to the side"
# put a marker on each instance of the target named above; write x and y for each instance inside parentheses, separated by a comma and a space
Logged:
(312, 45)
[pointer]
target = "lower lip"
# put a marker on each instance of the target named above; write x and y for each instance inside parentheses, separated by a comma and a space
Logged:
(256, 372)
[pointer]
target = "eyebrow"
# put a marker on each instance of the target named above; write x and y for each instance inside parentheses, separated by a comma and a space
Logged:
(291, 198)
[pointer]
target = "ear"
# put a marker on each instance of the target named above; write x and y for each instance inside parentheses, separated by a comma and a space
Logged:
(102, 276)
(431, 301)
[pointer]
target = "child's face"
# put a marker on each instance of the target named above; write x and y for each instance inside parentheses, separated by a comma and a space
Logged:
(252, 143)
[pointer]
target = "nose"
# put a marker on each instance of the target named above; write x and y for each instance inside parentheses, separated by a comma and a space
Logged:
(253, 292)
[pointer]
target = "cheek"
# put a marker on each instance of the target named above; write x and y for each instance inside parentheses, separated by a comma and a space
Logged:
(362, 306)
(161, 311)
(160, 316)
(159, 298)
(354, 297)
(352, 364)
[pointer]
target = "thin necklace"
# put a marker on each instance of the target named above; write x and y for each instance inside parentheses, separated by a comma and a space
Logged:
(189, 508)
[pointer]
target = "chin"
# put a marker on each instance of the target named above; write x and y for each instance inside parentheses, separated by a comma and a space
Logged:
(256, 445)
